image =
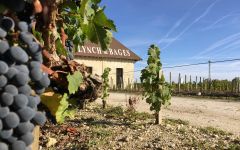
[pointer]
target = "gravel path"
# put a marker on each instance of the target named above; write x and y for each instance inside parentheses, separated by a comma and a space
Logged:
(221, 114)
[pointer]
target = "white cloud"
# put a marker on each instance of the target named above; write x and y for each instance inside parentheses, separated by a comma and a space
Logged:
(226, 43)
(215, 25)
(134, 42)
(208, 9)
(166, 38)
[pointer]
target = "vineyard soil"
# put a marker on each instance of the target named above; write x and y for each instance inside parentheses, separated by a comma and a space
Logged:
(116, 128)
(222, 114)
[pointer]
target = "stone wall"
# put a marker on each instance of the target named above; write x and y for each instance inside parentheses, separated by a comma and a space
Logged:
(98, 65)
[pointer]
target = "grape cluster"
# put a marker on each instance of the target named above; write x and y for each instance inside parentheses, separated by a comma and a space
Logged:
(21, 83)
(69, 47)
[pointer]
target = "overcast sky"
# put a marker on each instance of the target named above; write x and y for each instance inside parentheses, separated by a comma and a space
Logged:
(187, 31)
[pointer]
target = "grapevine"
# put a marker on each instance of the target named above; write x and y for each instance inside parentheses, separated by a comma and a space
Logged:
(156, 90)
(37, 41)
(105, 86)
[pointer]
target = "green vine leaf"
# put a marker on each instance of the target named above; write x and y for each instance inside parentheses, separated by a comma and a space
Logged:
(88, 23)
(156, 90)
(105, 84)
(60, 48)
(102, 20)
(63, 109)
(38, 36)
(74, 81)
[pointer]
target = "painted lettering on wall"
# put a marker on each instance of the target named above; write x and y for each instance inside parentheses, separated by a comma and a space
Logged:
(110, 51)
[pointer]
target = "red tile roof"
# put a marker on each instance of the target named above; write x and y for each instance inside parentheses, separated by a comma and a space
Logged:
(116, 51)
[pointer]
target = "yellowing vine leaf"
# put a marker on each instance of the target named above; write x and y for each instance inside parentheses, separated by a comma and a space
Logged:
(74, 82)
(58, 105)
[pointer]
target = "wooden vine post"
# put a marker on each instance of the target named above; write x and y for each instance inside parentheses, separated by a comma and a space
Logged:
(185, 82)
(36, 134)
(170, 78)
(190, 82)
(179, 83)
(196, 84)
(201, 85)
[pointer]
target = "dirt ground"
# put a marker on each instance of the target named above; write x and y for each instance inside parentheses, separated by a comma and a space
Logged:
(222, 114)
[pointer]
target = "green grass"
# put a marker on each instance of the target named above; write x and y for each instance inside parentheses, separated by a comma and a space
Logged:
(211, 130)
(119, 113)
(110, 112)
(175, 121)
(99, 136)
(132, 115)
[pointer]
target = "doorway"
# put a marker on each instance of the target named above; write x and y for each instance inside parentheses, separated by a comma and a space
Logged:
(119, 78)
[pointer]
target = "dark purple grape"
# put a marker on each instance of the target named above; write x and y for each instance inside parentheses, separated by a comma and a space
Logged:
(39, 118)
(26, 113)
(3, 146)
(22, 68)
(26, 37)
(6, 99)
(34, 48)
(35, 64)
(23, 26)
(32, 102)
(4, 111)
(21, 79)
(24, 127)
(7, 24)
(11, 120)
(25, 89)
(3, 81)
(12, 139)
(37, 99)
(44, 82)
(38, 57)
(5, 134)
(1, 125)
(39, 90)
(3, 33)
(4, 46)
(20, 101)
(12, 71)
(18, 54)
(18, 145)
(11, 89)
(36, 74)
(27, 138)
(3, 67)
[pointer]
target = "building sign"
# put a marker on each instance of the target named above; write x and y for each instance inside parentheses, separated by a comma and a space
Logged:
(98, 51)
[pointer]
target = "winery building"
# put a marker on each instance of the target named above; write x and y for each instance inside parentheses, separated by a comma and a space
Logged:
(118, 57)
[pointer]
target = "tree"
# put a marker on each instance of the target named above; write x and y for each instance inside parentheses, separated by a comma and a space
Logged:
(105, 86)
(156, 90)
